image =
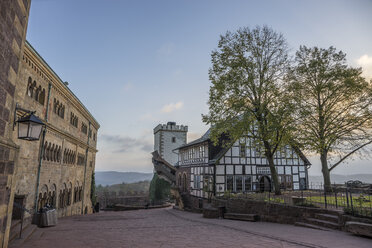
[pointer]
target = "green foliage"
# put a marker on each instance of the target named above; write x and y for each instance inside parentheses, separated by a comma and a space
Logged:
(93, 197)
(141, 188)
(246, 96)
(332, 104)
(159, 189)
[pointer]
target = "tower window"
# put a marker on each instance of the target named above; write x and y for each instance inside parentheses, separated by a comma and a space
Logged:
(173, 139)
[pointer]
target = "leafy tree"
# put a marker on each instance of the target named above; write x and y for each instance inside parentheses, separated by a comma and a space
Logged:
(333, 106)
(159, 189)
(246, 95)
(93, 190)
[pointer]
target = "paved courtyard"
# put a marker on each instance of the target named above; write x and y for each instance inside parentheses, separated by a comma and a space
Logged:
(173, 228)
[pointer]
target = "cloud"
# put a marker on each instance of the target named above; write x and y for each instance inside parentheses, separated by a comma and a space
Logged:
(146, 117)
(168, 108)
(365, 62)
(166, 49)
(121, 144)
(127, 87)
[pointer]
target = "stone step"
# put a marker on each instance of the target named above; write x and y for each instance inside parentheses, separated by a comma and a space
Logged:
(323, 223)
(15, 228)
(26, 234)
(328, 217)
(358, 228)
(303, 224)
(236, 216)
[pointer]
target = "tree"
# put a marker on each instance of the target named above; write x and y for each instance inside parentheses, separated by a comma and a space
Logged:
(159, 189)
(333, 106)
(93, 196)
(246, 96)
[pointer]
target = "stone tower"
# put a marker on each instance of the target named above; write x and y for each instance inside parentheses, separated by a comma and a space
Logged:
(168, 137)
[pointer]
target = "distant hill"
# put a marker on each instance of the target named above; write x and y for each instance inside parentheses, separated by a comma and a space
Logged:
(339, 179)
(114, 177)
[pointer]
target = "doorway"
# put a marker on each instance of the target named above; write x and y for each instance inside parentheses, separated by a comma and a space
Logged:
(265, 184)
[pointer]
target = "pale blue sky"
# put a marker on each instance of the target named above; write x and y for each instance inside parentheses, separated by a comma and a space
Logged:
(135, 64)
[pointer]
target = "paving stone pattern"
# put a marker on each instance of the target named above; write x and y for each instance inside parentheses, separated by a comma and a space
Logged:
(174, 228)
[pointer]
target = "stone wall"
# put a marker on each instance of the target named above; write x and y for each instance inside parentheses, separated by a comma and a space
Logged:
(13, 25)
(123, 200)
(68, 149)
(271, 212)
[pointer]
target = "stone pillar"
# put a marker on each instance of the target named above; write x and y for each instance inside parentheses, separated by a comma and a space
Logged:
(13, 25)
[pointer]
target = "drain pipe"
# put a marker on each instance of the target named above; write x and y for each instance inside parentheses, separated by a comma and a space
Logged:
(41, 153)
(85, 168)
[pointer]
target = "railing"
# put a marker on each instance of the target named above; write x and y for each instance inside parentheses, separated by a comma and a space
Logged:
(356, 201)
(23, 210)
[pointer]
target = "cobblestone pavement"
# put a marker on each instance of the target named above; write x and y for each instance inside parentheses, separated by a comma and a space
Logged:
(174, 228)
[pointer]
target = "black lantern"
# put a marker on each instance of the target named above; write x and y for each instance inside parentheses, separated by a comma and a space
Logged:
(29, 127)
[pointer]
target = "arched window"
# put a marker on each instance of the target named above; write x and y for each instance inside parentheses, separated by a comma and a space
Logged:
(37, 93)
(184, 183)
(56, 154)
(45, 150)
(42, 97)
(52, 158)
(48, 152)
(55, 106)
(80, 193)
(59, 154)
(53, 191)
(29, 87)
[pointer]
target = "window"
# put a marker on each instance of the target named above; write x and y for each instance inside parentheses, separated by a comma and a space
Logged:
(285, 181)
(238, 183)
(247, 183)
(81, 159)
(202, 151)
(242, 151)
(59, 108)
(74, 120)
(229, 183)
(197, 181)
(84, 128)
(173, 139)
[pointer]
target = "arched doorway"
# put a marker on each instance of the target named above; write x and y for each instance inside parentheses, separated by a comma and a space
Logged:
(184, 184)
(265, 184)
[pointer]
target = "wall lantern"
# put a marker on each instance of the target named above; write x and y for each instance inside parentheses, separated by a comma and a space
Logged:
(29, 125)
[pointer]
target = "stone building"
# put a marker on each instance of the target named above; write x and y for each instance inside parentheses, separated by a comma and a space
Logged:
(57, 169)
(167, 138)
(13, 25)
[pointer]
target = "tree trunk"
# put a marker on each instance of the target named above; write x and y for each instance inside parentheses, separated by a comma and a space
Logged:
(274, 175)
(325, 171)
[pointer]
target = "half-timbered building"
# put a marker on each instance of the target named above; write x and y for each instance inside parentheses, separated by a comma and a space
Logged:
(239, 167)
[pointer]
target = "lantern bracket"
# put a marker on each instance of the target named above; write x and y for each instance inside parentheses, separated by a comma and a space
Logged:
(25, 112)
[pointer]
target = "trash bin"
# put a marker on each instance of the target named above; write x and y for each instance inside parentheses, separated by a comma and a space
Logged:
(48, 217)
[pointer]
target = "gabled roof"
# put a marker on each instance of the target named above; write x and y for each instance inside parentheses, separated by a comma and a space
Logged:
(205, 137)
(223, 150)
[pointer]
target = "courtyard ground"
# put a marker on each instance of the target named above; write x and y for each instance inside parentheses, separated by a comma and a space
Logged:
(173, 228)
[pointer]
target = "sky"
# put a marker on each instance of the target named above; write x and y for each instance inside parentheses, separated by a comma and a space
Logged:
(135, 64)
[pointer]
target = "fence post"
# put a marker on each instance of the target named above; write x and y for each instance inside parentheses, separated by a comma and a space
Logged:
(347, 197)
(269, 196)
(325, 198)
(351, 202)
